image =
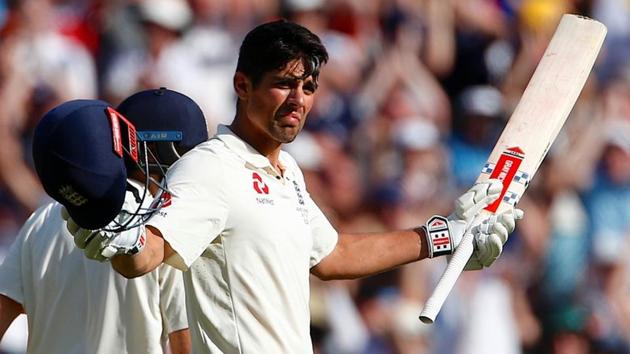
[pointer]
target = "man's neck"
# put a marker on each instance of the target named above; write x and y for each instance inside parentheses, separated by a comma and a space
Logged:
(258, 140)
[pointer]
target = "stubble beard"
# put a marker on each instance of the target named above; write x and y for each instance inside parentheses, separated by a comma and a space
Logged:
(285, 135)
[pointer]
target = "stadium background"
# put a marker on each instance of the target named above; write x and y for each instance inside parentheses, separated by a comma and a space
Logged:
(409, 107)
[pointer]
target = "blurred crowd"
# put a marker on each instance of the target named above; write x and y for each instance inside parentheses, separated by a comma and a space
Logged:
(408, 109)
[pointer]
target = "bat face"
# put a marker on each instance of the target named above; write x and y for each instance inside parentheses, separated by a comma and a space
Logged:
(544, 107)
(540, 114)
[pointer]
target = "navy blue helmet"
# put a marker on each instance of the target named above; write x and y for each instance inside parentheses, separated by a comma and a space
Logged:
(84, 150)
(171, 121)
(75, 159)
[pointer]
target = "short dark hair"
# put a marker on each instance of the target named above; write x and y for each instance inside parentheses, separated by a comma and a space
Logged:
(270, 46)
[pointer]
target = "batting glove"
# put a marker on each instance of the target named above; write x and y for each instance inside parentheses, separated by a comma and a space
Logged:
(490, 236)
(445, 234)
(103, 244)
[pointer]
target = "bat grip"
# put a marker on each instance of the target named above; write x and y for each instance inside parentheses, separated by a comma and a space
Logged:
(454, 268)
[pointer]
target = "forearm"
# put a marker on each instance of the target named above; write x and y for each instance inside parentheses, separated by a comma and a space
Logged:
(145, 261)
(360, 255)
(440, 45)
(9, 310)
(179, 341)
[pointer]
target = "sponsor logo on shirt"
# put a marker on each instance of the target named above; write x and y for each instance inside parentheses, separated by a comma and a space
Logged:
(262, 189)
(162, 202)
(298, 191)
(304, 213)
(264, 201)
(259, 186)
(165, 199)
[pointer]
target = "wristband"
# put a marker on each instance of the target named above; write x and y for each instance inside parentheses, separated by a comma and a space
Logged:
(438, 234)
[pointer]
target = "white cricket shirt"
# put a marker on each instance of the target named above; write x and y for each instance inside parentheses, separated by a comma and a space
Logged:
(77, 305)
(249, 238)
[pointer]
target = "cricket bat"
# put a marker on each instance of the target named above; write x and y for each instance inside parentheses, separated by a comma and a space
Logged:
(542, 110)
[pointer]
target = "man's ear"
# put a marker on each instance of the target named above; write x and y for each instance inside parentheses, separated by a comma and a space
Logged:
(242, 85)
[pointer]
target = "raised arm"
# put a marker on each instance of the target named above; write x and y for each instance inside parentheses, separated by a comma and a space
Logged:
(359, 255)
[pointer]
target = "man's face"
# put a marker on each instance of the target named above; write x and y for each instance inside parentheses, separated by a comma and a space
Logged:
(278, 106)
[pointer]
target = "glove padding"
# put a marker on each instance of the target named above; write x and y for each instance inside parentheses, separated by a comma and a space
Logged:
(445, 234)
(101, 245)
(490, 236)
(479, 196)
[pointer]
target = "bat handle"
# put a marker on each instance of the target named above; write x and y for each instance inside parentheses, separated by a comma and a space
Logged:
(444, 286)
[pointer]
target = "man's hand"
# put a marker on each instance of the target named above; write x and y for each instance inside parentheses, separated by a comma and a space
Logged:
(103, 244)
(445, 234)
(490, 236)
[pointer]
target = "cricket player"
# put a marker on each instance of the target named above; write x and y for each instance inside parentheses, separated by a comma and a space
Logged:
(241, 223)
(73, 304)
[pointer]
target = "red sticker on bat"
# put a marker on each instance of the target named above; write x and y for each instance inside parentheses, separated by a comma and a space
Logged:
(505, 170)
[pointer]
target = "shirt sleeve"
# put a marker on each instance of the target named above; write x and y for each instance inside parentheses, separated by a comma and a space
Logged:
(172, 299)
(197, 211)
(324, 234)
(11, 271)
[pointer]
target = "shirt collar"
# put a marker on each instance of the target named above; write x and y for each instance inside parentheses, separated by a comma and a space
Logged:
(243, 149)
(136, 184)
